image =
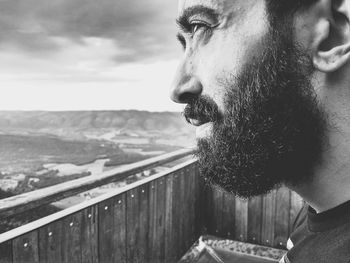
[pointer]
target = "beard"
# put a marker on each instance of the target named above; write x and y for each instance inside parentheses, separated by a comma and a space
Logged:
(271, 132)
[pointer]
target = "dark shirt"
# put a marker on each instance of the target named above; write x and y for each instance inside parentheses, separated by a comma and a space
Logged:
(323, 237)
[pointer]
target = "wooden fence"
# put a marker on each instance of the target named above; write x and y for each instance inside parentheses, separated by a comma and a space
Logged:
(153, 220)
(27, 201)
(264, 220)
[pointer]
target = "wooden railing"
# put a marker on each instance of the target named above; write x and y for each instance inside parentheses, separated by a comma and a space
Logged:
(153, 220)
(263, 220)
(27, 201)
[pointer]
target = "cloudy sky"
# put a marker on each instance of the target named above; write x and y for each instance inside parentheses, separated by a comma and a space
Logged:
(87, 54)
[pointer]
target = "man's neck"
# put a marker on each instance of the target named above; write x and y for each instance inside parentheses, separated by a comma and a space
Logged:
(330, 186)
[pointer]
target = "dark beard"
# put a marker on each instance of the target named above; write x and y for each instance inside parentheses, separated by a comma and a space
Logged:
(271, 132)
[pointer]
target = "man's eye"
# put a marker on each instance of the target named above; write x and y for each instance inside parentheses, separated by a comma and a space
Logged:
(195, 26)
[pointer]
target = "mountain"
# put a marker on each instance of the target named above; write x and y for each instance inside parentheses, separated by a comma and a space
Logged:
(88, 124)
(128, 119)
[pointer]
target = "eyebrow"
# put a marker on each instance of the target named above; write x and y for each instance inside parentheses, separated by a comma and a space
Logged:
(183, 20)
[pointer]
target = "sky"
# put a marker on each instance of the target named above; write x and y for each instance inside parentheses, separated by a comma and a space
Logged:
(87, 54)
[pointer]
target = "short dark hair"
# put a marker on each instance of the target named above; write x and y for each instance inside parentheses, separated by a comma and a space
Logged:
(282, 9)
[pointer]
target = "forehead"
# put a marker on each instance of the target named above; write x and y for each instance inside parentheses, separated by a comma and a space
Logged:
(220, 6)
(183, 4)
(214, 4)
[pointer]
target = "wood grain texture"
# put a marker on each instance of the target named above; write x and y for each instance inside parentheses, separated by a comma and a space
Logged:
(200, 203)
(170, 252)
(218, 207)
(176, 214)
(192, 207)
(89, 235)
(119, 222)
(228, 216)
(107, 242)
(112, 230)
(255, 220)
(51, 241)
(26, 248)
(71, 239)
(241, 222)
(137, 225)
(186, 207)
(160, 217)
(268, 220)
(132, 226)
(282, 217)
(6, 252)
(182, 213)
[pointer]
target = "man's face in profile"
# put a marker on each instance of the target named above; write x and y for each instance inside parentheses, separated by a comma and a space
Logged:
(246, 83)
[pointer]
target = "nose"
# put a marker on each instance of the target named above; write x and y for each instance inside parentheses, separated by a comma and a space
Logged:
(185, 86)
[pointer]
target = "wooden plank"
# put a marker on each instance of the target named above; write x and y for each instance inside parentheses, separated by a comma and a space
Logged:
(241, 222)
(26, 248)
(112, 230)
(214, 210)
(157, 220)
(160, 217)
(132, 225)
(27, 201)
(268, 222)
(255, 219)
(208, 206)
(153, 242)
(200, 203)
(170, 252)
(181, 200)
(107, 232)
(176, 213)
(296, 204)
(119, 234)
(218, 196)
(193, 196)
(186, 208)
(143, 254)
(137, 225)
(228, 216)
(71, 238)
(51, 241)
(6, 252)
(282, 217)
(89, 233)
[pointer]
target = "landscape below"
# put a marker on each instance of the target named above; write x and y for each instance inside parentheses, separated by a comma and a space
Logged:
(40, 149)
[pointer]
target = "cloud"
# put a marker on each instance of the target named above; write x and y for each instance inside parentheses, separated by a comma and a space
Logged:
(141, 30)
(148, 90)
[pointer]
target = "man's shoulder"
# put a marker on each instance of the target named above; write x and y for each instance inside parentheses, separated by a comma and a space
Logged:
(300, 219)
(331, 245)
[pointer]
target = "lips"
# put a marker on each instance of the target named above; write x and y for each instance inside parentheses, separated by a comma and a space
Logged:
(196, 122)
(201, 110)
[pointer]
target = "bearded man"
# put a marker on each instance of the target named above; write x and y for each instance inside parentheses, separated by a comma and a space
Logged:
(267, 83)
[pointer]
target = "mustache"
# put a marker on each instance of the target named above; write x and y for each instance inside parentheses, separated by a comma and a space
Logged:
(202, 108)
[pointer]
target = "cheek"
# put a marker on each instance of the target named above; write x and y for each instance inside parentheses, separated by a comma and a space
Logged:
(216, 67)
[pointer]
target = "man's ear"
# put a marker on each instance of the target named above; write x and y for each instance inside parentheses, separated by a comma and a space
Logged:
(332, 35)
